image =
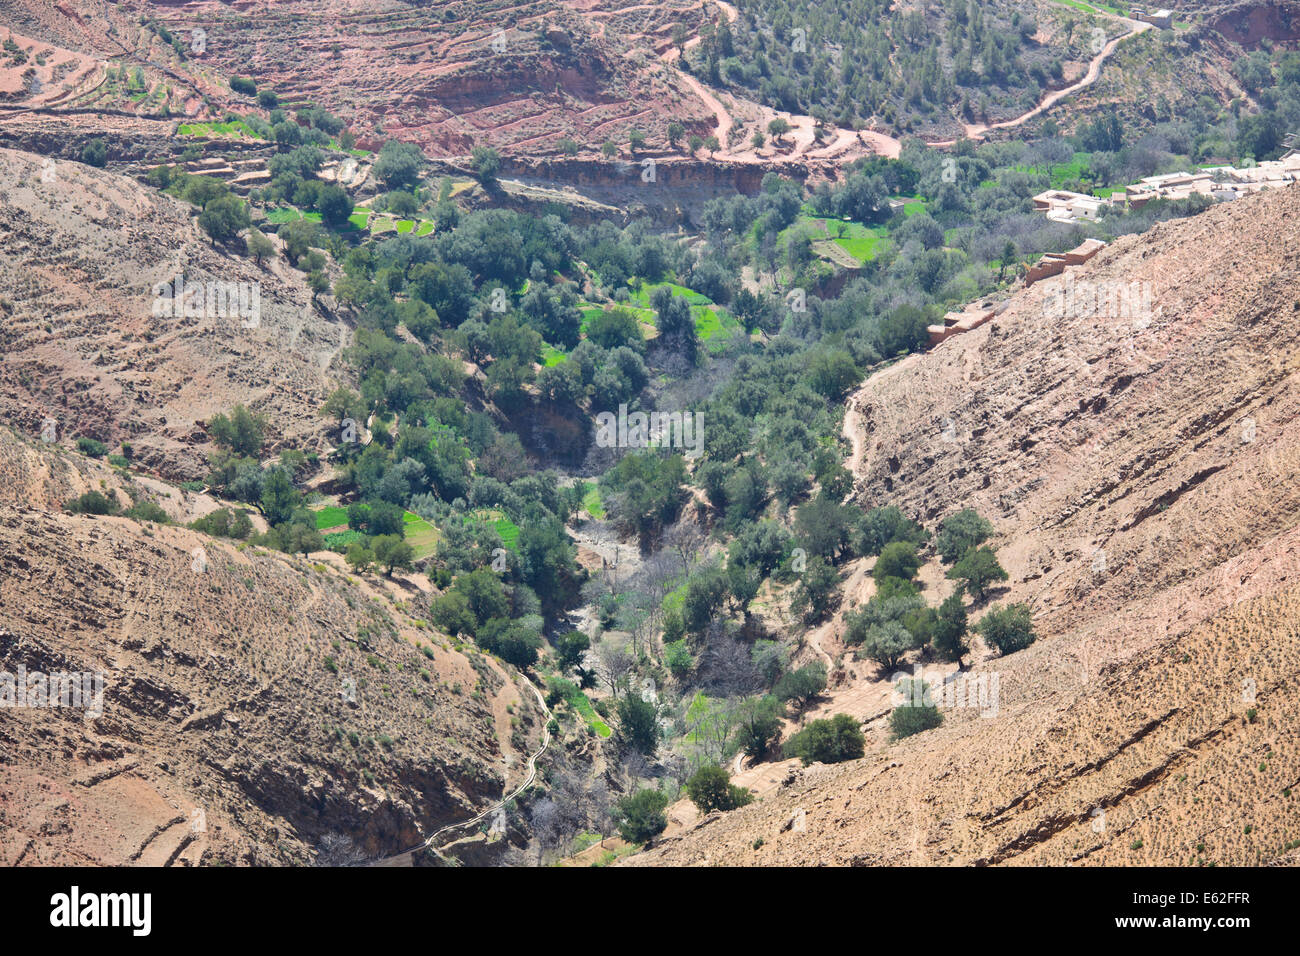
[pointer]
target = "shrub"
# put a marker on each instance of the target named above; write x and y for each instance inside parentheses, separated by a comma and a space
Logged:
(916, 714)
(147, 511)
(94, 503)
(95, 153)
(827, 741)
(710, 788)
(1009, 629)
(92, 447)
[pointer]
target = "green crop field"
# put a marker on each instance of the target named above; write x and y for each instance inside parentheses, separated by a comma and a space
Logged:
(331, 516)
(421, 535)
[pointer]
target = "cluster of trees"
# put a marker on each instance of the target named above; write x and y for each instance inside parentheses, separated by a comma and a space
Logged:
(895, 65)
(502, 619)
(224, 215)
(238, 473)
(897, 619)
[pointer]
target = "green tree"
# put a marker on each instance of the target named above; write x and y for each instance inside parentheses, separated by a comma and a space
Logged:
(318, 282)
(241, 431)
(758, 724)
(638, 724)
(571, 649)
(259, 246)
(95, 153)
(224, 217)
(392, 552)
(802, 685)
(959, 533)
(399, 164)
(279, 497)
(300, 538)
(359, 557)
(949, 637)
(334, 205)
(977, 570)
(487, 164)
(818, 590)
(710, 788)
(640, 816)
(886, 644)
(897, 559)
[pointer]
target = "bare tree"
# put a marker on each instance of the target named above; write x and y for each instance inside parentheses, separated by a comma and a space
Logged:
(686, 540)
(548, 827)
(337, 849)
(614, 663)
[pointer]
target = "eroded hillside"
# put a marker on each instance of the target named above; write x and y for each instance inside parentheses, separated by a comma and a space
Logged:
(88, 262)
(257, 708)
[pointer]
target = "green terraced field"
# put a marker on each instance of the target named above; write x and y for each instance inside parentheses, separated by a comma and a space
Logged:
(237, 129)
(422, 536)
(279, 217)
(710, 319)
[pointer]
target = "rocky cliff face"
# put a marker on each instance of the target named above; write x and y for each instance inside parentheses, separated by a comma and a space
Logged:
(256, 709)
(1138, 462)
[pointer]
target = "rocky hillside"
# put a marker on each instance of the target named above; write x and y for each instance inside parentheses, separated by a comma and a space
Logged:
(86, 340)
(448, 76)
(257, 709)
(1138, 465)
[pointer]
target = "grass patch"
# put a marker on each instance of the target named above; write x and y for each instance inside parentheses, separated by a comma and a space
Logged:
(580, 704)
(331, 516)
(592, 504)
(338, 541)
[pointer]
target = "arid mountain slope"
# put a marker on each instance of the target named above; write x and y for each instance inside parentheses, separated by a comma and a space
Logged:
(82, 252)
(257, 709)
(1139, 468)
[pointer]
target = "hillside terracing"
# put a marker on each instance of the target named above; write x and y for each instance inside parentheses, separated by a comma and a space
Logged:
(1138, 465)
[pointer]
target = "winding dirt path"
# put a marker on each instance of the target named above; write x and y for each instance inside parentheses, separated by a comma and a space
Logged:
(843, 141)
(1051, 99)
